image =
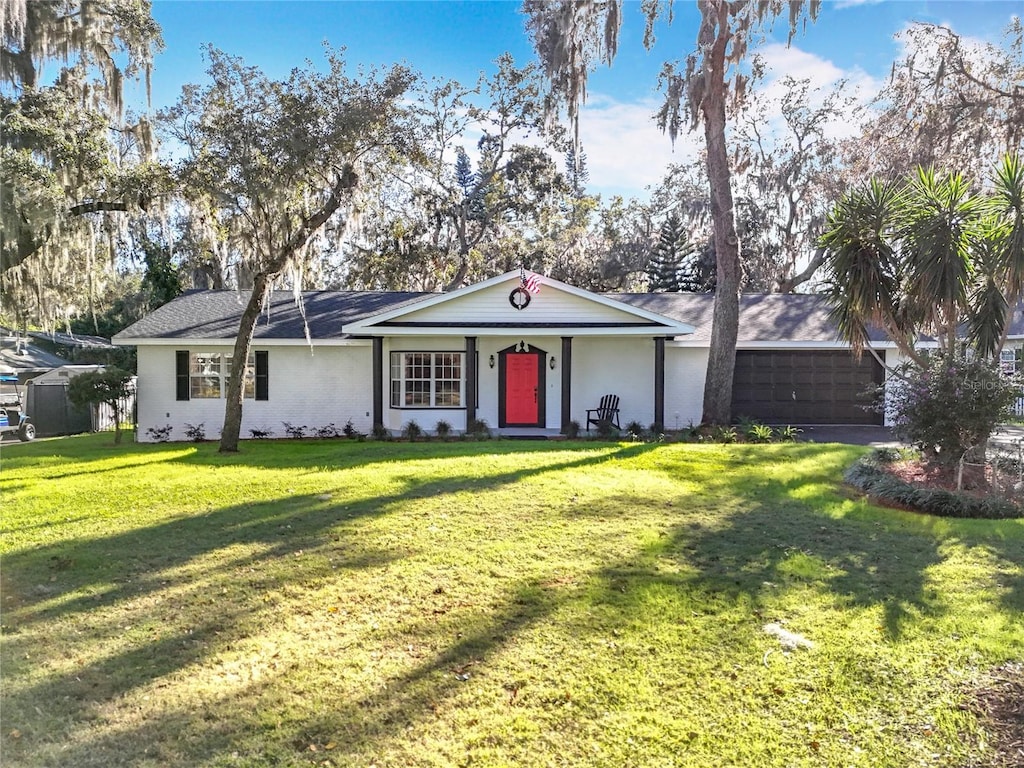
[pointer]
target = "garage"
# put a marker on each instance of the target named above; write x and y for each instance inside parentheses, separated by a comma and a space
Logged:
(804, 387)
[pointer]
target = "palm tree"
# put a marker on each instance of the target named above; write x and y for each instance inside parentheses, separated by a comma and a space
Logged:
(925, 256)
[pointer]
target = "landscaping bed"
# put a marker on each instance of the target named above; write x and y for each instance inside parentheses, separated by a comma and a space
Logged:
(902, 479)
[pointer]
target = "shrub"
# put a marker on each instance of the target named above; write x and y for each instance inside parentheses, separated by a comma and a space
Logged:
(380, 432)
(788, 434)
(260, 434)
(572, 430)
(950, 407)
(411, 430)
(160, 434)
(725, 435)
(478, 429)
(295, 431)
(759, 433)
(605, 429)
(110, 386)
(349, 430)
(635, 430)
(196, 432)
(657, 428)
(442, 429)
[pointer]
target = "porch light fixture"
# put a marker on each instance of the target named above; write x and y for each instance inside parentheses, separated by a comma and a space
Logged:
(490, 362)
(552, 363)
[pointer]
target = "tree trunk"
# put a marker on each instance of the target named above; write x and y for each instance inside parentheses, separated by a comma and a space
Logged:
(725, 320)
(261, 284)
(243, 343)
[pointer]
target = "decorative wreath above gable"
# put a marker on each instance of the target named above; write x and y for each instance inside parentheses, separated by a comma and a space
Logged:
(519, 298)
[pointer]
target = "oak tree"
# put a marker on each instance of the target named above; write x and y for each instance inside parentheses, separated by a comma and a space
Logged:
(271, 163)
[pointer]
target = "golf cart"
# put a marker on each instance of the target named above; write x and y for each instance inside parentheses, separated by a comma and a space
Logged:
(12, 412)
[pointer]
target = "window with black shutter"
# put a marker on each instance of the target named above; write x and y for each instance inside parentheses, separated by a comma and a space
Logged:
(262, 375)
(182, 370)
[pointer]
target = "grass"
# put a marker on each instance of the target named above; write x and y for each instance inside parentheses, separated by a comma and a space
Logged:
(489, 604)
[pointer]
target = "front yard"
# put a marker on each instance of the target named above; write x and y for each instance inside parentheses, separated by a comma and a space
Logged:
(500, 603)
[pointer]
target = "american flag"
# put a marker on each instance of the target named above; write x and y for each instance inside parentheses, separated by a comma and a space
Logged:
(530, 282)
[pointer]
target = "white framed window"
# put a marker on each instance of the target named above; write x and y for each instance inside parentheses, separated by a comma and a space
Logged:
(1008, 361)
(427, 379)
(210, 372)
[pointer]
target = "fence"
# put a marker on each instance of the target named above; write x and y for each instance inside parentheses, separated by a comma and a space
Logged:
(103, 414)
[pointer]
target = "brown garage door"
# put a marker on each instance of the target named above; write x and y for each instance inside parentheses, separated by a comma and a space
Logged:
(780, 387)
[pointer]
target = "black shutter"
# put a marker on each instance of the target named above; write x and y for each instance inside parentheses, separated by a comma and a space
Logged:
(262, 375)
(181, 364)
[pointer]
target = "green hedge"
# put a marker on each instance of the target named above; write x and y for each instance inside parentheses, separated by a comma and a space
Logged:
(869, 475)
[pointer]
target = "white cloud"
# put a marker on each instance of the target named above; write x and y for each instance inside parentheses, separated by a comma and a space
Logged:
(627, 153)
(823, 76)
(625, 150)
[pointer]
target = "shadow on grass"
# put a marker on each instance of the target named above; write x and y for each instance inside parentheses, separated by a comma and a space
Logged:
(136, 561)
(51, 583)
(187, 736)
(776, 533)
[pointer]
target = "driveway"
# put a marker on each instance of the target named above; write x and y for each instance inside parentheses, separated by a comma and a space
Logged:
(879, 437)
(1008, 434)
(882, 437)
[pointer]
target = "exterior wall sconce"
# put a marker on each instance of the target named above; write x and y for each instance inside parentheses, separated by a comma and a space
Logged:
(552, 363)
(490, 362)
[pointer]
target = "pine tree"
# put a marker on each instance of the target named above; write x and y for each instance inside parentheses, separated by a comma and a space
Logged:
(576, 172)
(464, 175)
(698, 271)
(667, 264)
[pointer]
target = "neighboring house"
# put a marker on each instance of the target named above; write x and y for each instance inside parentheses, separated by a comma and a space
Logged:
(34, 359)
(75, 348)
(485, 352)
(23, 358)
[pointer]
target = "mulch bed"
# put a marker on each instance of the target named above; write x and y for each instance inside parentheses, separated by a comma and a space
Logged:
(999, 706)
(977, 480)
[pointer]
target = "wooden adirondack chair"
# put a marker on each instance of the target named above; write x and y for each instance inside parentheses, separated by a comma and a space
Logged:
(607, 413)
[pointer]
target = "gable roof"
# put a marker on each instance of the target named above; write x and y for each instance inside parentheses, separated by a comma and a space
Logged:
(215, 315)
(557, 308)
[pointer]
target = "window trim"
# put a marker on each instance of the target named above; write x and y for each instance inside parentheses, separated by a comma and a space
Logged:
(185, 361)
(403, 392)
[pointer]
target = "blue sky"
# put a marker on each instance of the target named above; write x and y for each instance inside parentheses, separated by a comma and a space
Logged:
(447, 39)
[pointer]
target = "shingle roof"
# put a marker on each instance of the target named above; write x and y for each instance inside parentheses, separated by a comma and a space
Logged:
(763, 317)
(77, 340)
(18, 355)
(216, 314)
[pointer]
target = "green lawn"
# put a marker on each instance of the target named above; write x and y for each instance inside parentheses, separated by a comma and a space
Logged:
(488, 604)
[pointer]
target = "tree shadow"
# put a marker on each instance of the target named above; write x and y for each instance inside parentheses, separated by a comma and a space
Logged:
(137, 561)
(180, 736)
(776, 536)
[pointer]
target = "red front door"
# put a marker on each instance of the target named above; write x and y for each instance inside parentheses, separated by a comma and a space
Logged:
(521, 383)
